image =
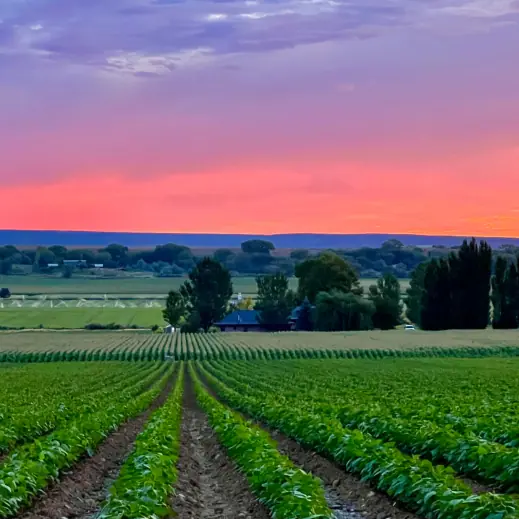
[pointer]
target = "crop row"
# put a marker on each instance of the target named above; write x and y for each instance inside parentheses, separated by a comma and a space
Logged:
(28, 422)
(463, 396)
(27, 470)
(469, 454)
(430, 490)
(289, 492)
(144, 484)
(215, 352)
(147, 478)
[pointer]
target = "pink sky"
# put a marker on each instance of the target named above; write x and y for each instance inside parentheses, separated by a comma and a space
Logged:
(253, 117)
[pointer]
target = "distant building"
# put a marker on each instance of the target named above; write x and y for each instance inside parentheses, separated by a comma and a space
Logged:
(169, 328)
(53, 265)
(74, 263)
(241, 321)
(294, 316)
(98, 265)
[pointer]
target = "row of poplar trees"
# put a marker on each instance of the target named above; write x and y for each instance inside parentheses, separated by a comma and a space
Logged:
(455, 292)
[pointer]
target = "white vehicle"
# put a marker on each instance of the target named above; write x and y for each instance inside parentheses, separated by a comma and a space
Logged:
(409, 327)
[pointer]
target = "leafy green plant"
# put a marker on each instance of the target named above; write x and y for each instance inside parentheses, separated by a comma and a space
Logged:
(146, 478)
(289, 492)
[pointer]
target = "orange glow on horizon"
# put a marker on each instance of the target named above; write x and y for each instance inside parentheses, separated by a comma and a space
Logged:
(351, 198)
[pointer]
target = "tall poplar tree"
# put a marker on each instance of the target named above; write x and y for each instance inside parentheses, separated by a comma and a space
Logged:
(470, 273)
(436, 297)
(505, 295)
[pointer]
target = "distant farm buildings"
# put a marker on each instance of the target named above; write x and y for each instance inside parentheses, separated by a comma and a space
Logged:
(241, 321)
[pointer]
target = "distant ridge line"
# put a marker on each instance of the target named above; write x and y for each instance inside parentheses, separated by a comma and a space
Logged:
(211, 240)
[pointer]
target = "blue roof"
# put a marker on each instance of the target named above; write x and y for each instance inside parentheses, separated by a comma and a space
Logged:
(240, 318)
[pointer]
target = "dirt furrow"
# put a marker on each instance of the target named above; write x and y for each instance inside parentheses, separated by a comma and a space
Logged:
(209, 484)
(345, 492)
(346, 495)
(82, 490)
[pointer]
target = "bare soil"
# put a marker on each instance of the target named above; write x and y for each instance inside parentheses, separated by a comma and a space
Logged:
(209, 485)
(82, 490)
(343, 489)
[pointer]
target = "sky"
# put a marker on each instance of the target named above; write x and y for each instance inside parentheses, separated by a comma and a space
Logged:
(250, 116)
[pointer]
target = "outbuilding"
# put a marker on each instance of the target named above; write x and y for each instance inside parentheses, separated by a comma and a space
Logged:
(241, 321)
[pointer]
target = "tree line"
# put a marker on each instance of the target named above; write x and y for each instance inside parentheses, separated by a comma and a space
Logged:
(328, 298)
(461, 292)
(254, 257)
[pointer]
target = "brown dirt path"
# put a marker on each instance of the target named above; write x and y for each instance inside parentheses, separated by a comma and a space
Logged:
(82, 489)
(209, 485)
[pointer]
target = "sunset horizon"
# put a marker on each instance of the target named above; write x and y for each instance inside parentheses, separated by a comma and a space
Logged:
(312, 116)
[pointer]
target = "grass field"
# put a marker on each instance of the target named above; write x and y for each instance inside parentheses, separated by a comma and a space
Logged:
(27, 285)
(327, 438)
(56, 318)
(76, 286)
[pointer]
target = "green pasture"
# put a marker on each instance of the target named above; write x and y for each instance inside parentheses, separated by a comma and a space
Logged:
(61, 318)
(124, 286)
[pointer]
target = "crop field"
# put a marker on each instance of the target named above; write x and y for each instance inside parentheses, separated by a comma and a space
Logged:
(79, 317)
(324, 438)
(32, 346)
(121, 286)
(124, 286)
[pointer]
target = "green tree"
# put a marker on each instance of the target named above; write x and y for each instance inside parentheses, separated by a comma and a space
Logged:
(67, 272)
(223, 255)
(470, 273)
(341, 311)
(6, 267)
(325, 273)
(275, 301)
(118, 252)
(305, 317)
(175, 308)
(413, 301)
(257, 247)
(392, 244)
(386, 296)
(59, 251)
(207, 292)
(299, 254)
(436, 296)
(8, 251)
(505, 292)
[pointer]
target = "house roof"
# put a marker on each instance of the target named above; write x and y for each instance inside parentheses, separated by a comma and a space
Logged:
(240, 318)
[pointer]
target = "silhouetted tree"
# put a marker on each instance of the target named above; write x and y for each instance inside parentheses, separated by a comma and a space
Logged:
(436, 297)
(175, 308)
(325, 273)
(257, 247)
(413, 301)
(470, 273)
(207, 292)
(275, 301)
(505, 293)
(341, 311)
(385, 295)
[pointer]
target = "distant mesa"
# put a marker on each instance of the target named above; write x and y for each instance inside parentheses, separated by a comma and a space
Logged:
(281, 241)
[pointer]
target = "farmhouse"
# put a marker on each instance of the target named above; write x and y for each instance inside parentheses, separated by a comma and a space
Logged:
(241, 321)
